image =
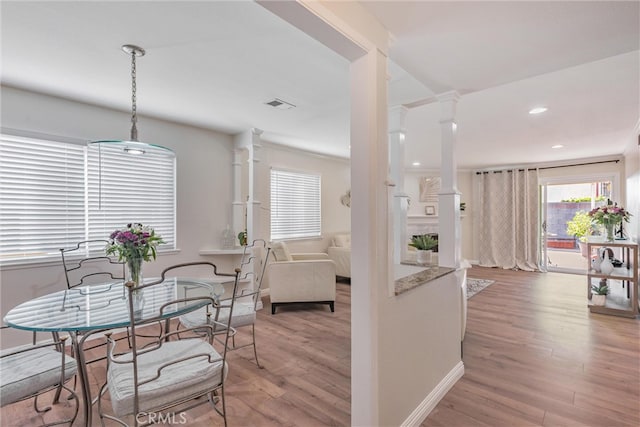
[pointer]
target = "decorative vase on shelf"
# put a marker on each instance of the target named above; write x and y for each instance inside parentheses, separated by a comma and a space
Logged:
(228, 239)
(597, 299)
(134, 270)
(423, 257)
(610, 236)
(606, 266)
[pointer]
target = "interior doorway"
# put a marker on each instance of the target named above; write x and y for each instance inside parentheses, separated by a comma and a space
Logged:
(561, 201)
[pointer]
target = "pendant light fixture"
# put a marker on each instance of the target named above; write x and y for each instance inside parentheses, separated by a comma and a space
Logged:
(131, 146)
(114, 148)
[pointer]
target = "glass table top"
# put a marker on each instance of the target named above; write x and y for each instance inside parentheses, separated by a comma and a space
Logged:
(105, 306)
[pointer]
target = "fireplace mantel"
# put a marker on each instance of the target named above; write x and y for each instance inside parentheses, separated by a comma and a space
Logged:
(422, 224)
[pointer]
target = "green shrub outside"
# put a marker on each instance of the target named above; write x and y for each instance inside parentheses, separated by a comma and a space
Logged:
(580, 226)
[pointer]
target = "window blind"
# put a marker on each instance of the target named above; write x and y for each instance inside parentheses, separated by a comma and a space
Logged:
(295, 205)
(55, 194)
(125, 188)
(41, 197)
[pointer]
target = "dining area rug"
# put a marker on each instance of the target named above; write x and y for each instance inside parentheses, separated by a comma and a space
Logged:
(476, 285)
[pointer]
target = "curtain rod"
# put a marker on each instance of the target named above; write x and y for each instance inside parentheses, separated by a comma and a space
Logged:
(554, 167)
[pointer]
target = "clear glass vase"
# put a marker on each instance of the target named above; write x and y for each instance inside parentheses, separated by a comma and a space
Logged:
(609, 230)
(134, 271)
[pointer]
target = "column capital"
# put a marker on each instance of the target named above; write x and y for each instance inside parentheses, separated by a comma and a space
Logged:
(448, 101)
(398, 118)
(451, 96)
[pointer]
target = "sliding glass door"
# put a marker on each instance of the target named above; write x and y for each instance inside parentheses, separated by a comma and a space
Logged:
(565, 204)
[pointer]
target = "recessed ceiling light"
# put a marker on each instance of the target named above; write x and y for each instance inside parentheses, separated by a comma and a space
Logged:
(416, 163)
(557, 146)
(538, 110)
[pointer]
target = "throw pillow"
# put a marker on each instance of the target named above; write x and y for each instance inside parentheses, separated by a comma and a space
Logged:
(342, 240)
(281, 252)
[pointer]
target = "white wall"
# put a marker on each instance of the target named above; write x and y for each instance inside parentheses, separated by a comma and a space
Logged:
(419, 346)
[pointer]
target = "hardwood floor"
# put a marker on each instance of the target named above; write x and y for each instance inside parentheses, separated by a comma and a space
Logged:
(533, 354)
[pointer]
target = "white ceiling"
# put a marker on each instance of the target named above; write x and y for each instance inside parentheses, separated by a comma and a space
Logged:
(215, 64)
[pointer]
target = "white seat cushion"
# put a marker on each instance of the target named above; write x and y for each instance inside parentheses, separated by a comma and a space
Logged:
(190, 377)
(243, 315)
(26, 373)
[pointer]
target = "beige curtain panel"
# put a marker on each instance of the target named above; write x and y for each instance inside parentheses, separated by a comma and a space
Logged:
(508, 219)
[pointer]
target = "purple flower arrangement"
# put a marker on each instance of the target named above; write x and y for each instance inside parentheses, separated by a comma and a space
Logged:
(609, 214)
(134, 241)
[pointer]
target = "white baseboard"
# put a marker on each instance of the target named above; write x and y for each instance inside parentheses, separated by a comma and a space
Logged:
(426, 406)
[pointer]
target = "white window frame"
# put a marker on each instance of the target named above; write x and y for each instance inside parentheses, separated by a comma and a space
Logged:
(296, 204)
(53, 203)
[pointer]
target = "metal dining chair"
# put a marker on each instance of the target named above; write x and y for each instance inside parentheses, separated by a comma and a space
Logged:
(253, 266)
(171, 372)
(86, 264)
(29, 371)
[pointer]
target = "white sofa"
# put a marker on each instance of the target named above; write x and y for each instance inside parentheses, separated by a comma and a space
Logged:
(300, 278)
(339, 251)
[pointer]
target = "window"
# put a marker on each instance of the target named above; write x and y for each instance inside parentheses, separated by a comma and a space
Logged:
(54, 194)
(295, 205)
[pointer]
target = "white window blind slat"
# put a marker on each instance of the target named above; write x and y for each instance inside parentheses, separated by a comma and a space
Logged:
(295, 205)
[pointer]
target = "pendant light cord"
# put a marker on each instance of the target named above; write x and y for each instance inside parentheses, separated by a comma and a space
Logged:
(134, 51)
(134, 117)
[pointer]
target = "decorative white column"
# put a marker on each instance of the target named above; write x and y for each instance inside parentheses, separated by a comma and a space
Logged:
(246, 213)
(253, 204)
(371, 264)
(238, 205)
(449, 235)
(397, 129)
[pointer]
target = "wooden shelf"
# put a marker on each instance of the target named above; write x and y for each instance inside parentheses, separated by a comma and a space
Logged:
(622, 282)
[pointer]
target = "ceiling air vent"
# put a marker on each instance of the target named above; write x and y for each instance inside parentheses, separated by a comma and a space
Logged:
(280, 104)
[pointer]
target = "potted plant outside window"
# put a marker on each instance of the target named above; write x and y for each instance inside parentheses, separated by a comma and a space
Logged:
(424, 245)
(600, 293)
(580, 227)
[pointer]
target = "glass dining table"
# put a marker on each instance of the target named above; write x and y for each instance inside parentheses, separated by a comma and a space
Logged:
(86, 310)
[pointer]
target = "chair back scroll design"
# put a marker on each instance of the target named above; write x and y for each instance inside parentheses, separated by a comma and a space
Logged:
(170, 371)
(249, 258)
(82, 268)
(87, 264)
